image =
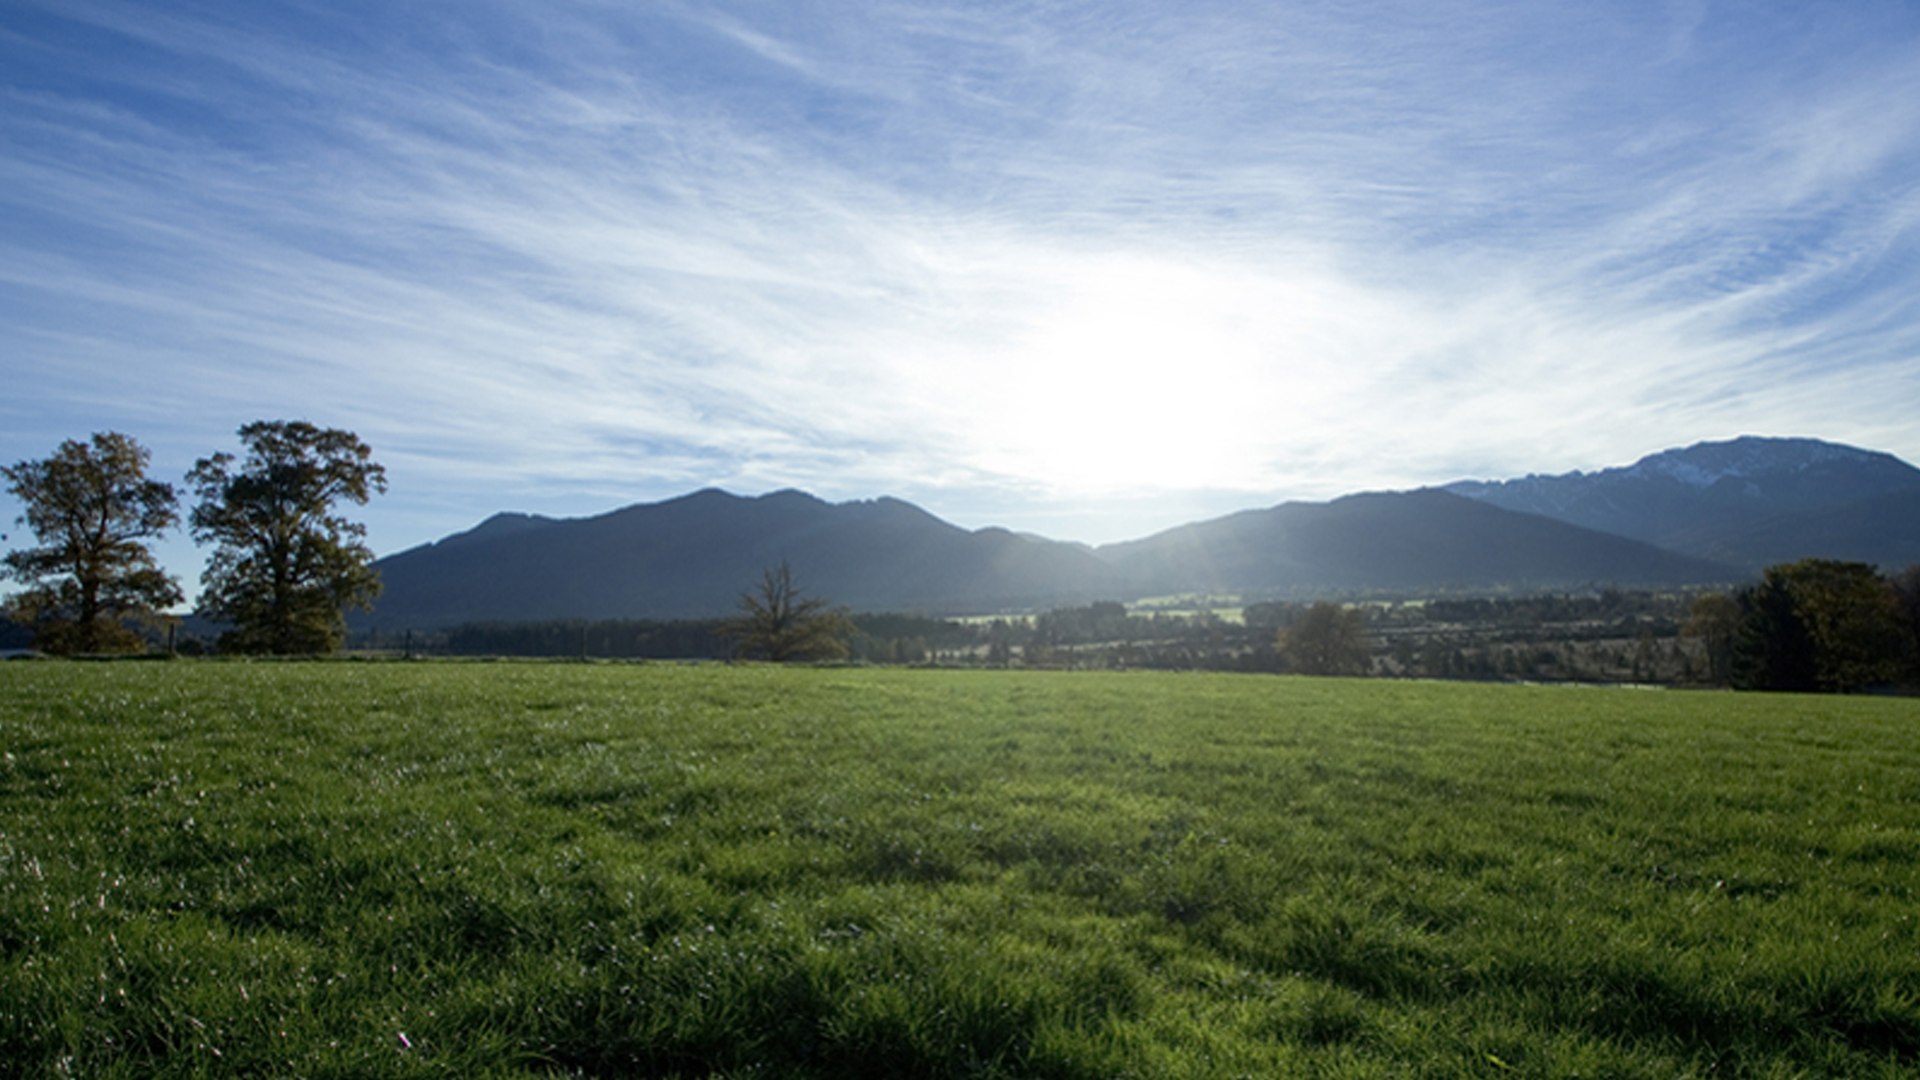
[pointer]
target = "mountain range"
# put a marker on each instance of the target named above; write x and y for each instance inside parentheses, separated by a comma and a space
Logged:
(1748, 502)
(691, 556)
(1710, 513)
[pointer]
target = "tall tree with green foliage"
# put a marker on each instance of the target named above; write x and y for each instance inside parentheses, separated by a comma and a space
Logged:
(1819, 624)
(779, 622)
(1773, 649)
(285, 566)
(1327, 639)
(1906, 605)
(93, 510)
(1714, 619)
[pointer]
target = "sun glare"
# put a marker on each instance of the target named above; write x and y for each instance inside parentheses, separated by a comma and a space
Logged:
(1153, 375)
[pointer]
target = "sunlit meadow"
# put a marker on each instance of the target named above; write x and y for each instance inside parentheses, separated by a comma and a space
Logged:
(389, 869)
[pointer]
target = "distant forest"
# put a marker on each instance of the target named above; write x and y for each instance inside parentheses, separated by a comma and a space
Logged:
(1606, 636)
(1808, 626)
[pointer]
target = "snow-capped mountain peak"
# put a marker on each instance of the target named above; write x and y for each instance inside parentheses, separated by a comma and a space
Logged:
(1716, 499)
(1703, 465)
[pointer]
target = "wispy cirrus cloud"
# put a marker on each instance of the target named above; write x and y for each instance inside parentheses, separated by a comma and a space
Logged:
(1083, 269)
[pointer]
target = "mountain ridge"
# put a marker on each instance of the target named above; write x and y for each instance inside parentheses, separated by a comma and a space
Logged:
(689, 556)
(1717, 507)
(1368, 541)
(1718, 499)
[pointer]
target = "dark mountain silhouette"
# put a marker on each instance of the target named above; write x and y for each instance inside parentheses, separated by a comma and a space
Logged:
(1707, 514)
(1884, 530)
(1749, 501)
(1392, 541)
(693, 556)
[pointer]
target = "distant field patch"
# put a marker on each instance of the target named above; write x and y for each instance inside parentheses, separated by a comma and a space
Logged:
(512, 869)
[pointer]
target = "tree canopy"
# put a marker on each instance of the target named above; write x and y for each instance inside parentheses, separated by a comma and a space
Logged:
(92, 509)
(1820, 624)
(1906, 605)
(285, 565)
(778, 622)
(1327, 640)
(1714, 620)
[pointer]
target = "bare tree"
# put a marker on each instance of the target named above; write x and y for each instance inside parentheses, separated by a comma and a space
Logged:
(779, 623)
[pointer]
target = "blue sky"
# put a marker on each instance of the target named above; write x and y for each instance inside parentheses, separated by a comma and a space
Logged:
(1086, 269)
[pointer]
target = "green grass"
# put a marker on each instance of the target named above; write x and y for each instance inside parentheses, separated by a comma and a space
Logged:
(348, 869)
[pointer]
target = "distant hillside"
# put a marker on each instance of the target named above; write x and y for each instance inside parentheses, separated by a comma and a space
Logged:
(1884, 530)
(1749, 501)
(692, 556)
(1392, 541)
(1705, 514)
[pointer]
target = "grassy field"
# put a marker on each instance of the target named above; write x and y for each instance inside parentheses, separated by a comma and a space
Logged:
(362, 869)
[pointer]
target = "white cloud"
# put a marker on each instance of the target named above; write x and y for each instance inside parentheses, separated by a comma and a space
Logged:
(1125, 259)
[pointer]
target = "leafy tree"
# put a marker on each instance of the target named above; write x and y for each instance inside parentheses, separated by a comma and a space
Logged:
(93, 509)
(1327, 639)
(285, 566)
(1818, 624)
(1714, 618)
(1856, 626)
(1906, 602)
(1773, 650)
(779, 623)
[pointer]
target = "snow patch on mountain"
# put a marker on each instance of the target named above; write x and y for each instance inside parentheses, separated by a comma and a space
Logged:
(1720, 500)
(1749, 457)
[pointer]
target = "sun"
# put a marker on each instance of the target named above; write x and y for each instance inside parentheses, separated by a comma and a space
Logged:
(1145, 375)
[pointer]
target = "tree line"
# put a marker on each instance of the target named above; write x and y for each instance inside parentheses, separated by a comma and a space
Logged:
(1815, 625)
(1696, 639)
(284, 565)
